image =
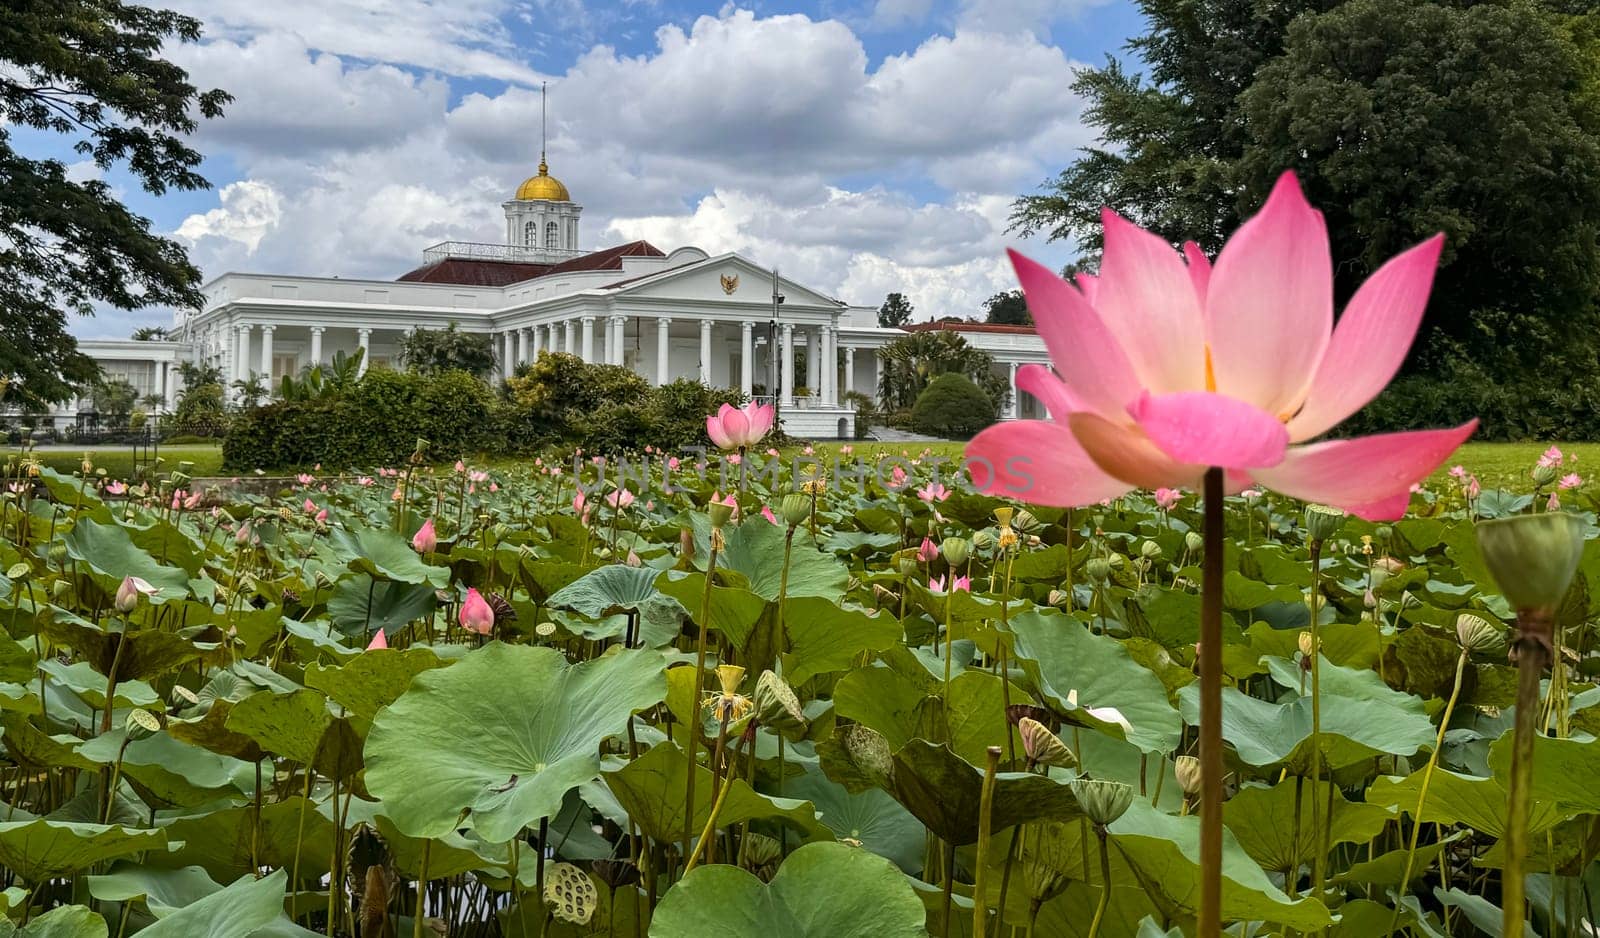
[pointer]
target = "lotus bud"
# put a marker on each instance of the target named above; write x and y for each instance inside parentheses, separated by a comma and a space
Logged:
(1098, 569)
(1306, 643)
(57, 553)
(426, 539)
(955, 550)
(1187, 770)
(1532, 557)
(795, 509)
(1193, 542)
(476, 615)
(777, 706)
(129, 592)
(1102, 799)
(1544, 475)
(1003, 516)
(1322, 522)
(1150, 550)
(1057, 598)
(1044, 747)
(1369, 599)
(88, 464)
(983, 540)
(1479, 635)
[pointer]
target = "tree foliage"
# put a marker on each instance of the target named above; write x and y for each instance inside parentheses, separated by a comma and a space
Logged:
(431, 351)
(1402, 118)
(895, 311)
(952, 406)
(114, 398)
(1007, 309)
(91, 72)
(910, 364)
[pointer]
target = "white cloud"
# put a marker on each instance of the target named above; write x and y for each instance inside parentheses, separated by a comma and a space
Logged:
(249, 211)
(455, 37)
(1013, 15)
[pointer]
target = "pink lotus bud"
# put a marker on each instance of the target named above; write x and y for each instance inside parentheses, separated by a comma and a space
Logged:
(475, 615)
(928, 551)
(633, 560)
(310, 507)
(322, 516)
(129, 592)
(578, 502)
(461, 466)
(766, 512)
(378, 641)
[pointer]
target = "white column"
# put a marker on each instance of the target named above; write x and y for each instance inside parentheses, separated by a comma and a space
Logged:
(877, 374)
(849, 369)
(747, 348)
(705, 351)
(538, 343)
(316, 345)
(618, 333)
(663, 349)
(364, 342)
(588, 338)
(522, 346)
(266, 353)
(1013, 408)
(569, 336)
(814, 362)
(165, 387)
(786, 365)
(829, 365)
(509, 340)
(241, 358)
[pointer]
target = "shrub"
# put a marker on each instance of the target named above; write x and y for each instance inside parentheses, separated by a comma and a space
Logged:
(952, 406)
(678, 412)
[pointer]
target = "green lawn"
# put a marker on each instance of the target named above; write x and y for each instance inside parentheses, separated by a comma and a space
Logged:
(117, 461)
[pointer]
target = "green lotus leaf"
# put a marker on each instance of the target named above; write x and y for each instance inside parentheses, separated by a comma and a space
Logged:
(734, 610)
(502, 736)
(825, 636)
(110, 554)
(1165, 849)
(1453, 798)
(1270, 734)
(617, 588)
(372, 680)
(143, 652)
(67, 921)
(650, 789)
(1564, 771)
(221, 840)
(754, 550)
(41, 849)
(171, 771)
(384, 555)
(1263, 822)
(362, 604)
(871, 817)
(822, 890)
(236, 911)
(1061, 656)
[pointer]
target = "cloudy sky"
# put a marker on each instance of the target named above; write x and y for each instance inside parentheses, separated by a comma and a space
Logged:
(864, 146)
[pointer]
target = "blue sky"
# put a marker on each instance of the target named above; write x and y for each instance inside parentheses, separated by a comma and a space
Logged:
(862, 145)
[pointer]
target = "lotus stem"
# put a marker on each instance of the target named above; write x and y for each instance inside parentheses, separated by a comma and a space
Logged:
(980, 910)
(1318, 835)
(1534, 629)
(710, 830)
(1427, 778)
(422, 889)
(1105, 883)
(699, 684)
(1210, 917)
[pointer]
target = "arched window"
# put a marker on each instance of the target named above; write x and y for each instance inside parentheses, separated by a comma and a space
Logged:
(552, 236)
(530, 235)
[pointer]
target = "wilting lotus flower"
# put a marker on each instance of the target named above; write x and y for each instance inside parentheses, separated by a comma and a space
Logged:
(1167, 369)
(321, 517)
(378, 641)
(958, 584)
(476, 615)
(426, 538)
(738, 427)
(129, 592)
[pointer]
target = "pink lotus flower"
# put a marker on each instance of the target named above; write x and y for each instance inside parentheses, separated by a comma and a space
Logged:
(633, 559)
(1570, 481)
(1473, 488)
(310, 507)
(378, 641)
(928, 550)
(242, 536)
(1166, 499)
(958, 584)
(621, 498)
(1551, 457)
(476, 615)
(766, 512)
(193, 501)
(304, 479)
(579, 502)
(365, 481)
(1458, 472)
(897, 478)
(460, 466)
(672, 463)
(426, 538)
(1167, 369)
(933, 492)
(738, 427)
(116, 488)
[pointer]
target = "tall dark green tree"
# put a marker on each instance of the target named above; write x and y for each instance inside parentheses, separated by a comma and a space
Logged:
(895, 311)
(1007, 309)
(1402, 118)
(91, 73)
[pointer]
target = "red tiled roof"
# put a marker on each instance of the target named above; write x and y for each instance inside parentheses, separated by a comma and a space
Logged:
(490, 273)
(969, 327)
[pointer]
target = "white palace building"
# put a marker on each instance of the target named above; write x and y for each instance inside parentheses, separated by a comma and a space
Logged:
(666, 315)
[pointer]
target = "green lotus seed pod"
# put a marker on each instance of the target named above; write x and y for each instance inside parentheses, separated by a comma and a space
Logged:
(1098, 569)
(569, 894)
(1150, 550)
(795, 509)
(955, 550)
(1532, 557)
(777, 706)
(906, 563)
(721, 513)
(1187, 770)
(1383, 532)
(141, 724)
(57, 553)
(1044, 747)
(1480, 636)
(983, 540)
(1102, 799)
(1322, 522)
(1193, 542)
(1024, 521)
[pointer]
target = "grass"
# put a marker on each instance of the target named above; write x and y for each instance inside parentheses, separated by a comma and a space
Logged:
(118, 461)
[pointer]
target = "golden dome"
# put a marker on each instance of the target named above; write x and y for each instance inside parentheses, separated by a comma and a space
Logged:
(544, 186)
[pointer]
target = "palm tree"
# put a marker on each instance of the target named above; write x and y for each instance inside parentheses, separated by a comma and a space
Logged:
(252, 391)
(152, 334)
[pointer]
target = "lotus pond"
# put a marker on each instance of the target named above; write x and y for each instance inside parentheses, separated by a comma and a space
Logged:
(454, 702)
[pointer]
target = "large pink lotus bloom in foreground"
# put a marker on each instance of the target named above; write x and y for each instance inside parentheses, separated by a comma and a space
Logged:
(1166, 365)
(733, 428)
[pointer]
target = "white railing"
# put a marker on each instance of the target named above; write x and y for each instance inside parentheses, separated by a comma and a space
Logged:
(481, 251)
